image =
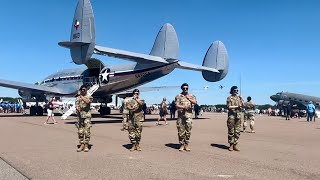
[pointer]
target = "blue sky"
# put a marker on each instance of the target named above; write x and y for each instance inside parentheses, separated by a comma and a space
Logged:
(272, 45)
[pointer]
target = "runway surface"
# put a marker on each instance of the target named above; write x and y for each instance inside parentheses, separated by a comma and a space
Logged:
(279, 149)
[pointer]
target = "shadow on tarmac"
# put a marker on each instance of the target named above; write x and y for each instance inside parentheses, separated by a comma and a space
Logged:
(173, 145)
(221, 146)
(89, 146)
(13, 115)
(127, 146)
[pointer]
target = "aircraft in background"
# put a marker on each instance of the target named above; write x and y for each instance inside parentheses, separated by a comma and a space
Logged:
(162, 60)
(283, 98)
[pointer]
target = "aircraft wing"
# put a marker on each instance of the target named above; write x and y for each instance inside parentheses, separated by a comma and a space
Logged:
(131, 56)
(189, 66)
(20, 85)
(128, 92)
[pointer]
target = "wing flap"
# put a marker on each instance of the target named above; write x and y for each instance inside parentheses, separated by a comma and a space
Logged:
(20, 85)
(131, 56)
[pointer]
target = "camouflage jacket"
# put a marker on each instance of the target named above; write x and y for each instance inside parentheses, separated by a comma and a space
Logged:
(234, 101)
(124, 105)
(84, 107)
(249, 106)
(137, 109)
(181, 99)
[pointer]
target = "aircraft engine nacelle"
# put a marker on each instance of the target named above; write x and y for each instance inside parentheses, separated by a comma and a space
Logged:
(217, 58)
(31, 96)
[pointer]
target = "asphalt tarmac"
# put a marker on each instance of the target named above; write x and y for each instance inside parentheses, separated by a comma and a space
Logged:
(279, 149)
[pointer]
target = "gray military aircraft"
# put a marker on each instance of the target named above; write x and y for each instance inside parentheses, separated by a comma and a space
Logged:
(283, 98)
(162, 60)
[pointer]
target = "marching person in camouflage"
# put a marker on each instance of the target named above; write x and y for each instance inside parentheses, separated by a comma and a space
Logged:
(136, 117)
(234, 105)
(83, 102)
(184, 104)
(249, 115)
(125, 114)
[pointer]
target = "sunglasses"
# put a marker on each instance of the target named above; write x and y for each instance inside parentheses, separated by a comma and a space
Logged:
(236, 90)
(185, 88)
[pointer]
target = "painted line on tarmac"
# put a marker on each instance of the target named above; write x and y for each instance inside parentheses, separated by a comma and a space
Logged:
(1, 158)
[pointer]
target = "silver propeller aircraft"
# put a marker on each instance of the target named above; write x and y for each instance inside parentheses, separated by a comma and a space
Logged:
(284, 98)
(162, 60)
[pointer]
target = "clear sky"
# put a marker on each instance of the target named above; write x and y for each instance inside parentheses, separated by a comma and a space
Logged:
(272, 45)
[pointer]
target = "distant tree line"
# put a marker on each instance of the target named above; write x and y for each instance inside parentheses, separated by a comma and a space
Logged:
(265, 106)
(10, 99)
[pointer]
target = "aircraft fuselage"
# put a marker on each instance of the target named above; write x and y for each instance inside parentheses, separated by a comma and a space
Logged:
(69, 80)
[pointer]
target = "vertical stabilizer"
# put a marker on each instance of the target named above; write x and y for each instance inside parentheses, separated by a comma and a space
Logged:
(166, 44)
(217, 58)
(83, 37)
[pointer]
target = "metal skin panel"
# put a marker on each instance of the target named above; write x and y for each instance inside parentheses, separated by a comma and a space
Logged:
(217, 58)
(127, 55)
(166, 44)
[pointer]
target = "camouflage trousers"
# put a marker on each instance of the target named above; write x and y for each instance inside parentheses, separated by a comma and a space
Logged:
(84, 125)
(234, 127)
(134, 129)
(125, 121)
(248, 117)
(184, 126)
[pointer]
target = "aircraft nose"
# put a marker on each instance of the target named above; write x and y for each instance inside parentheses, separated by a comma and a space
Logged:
(274, 97)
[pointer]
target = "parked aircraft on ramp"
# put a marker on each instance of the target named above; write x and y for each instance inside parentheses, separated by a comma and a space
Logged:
(283, 98)
(162, 60)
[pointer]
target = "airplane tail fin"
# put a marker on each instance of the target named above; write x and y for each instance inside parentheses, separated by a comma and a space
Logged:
(166, 44)
(83, 38)
(217, 58)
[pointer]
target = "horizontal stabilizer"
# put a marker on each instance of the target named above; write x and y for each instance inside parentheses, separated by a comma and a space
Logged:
(131, 56)
(21, 85)
(189, 66)
(68, 44)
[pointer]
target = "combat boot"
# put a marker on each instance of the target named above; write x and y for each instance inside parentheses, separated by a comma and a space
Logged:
(235, 147)
(231, 147)
(86, 148)
(80, 148)
(134, 147)
(187, 148)
(138, 148)
(181, 147)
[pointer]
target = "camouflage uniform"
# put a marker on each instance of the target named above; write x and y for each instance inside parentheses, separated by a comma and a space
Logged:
(136, 117)
(125, 113)
(234, 119)
(249, 115)
(184, 121)
(84, 120)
